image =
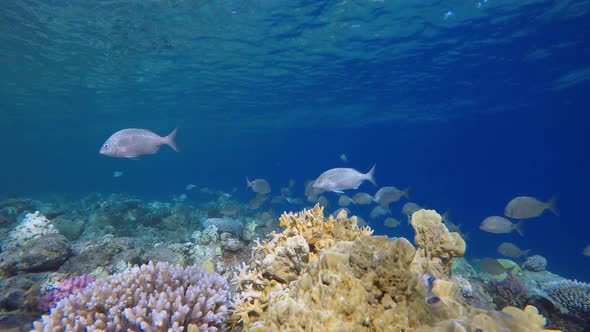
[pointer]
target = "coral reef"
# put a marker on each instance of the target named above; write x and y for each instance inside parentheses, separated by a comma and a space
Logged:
(535, 263)
(153, 297)
(572, 295)
(330, 275)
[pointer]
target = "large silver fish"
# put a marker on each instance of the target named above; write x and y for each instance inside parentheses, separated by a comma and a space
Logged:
(511, 250)
(525, 207)
(500, 225)
(133, 142)
(259, 186)
(340, 179)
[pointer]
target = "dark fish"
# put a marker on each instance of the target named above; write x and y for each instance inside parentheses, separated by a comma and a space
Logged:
(132, 142)
(491, 266)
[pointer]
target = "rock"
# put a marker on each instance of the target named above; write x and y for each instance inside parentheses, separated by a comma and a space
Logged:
(163, 254)
(12, 299)
(71, 229)
(44, 253)
(16, 321)
(89, 255)
(132, 256)
(233, 245)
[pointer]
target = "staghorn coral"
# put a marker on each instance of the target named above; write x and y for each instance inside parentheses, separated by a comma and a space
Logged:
(152, 297)
(535, 263)
(572, 295)
(334, 276)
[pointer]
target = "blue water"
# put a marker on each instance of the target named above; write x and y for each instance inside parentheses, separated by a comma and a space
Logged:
(469, 109)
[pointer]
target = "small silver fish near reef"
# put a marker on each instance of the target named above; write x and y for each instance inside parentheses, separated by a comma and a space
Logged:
(133, 142)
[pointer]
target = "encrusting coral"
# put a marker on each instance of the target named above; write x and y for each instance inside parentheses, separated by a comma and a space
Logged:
(152, 297)
(327, 274)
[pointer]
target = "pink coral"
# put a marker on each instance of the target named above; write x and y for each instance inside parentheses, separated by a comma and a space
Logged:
(62, 290)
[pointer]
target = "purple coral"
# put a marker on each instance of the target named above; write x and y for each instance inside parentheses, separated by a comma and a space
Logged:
(535, 263)
(508, 292)
(62, 290)
(152, 297)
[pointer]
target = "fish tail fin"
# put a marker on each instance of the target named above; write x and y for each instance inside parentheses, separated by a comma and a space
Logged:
(169, 140)
(552, 205)
(445, 216)
(518, 228)
(525, 253)
(248, 183)
(407, 192)
(371, 175)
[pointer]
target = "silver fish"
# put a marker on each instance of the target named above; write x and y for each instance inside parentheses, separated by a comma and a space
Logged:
(117, 174)
(378, 211)
(500, 225)
(409, 208)
(340, 179)
(391, 222)
(511, 250)
(362, 198)
(525, 207)
(345, 200)
(388, 195)
(132, 142)
(259, 186)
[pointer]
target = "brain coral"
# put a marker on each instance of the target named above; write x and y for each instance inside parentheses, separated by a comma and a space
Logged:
(572, 295)
(330, 275)
(153, 297)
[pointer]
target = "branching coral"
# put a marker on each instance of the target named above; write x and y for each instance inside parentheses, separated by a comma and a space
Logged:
(153, 297)
(572, 295)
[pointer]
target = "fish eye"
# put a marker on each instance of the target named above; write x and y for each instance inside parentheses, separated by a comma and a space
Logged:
(105, 146)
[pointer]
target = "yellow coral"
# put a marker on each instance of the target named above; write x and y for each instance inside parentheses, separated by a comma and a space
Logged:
(330, 275)
(436, 245)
